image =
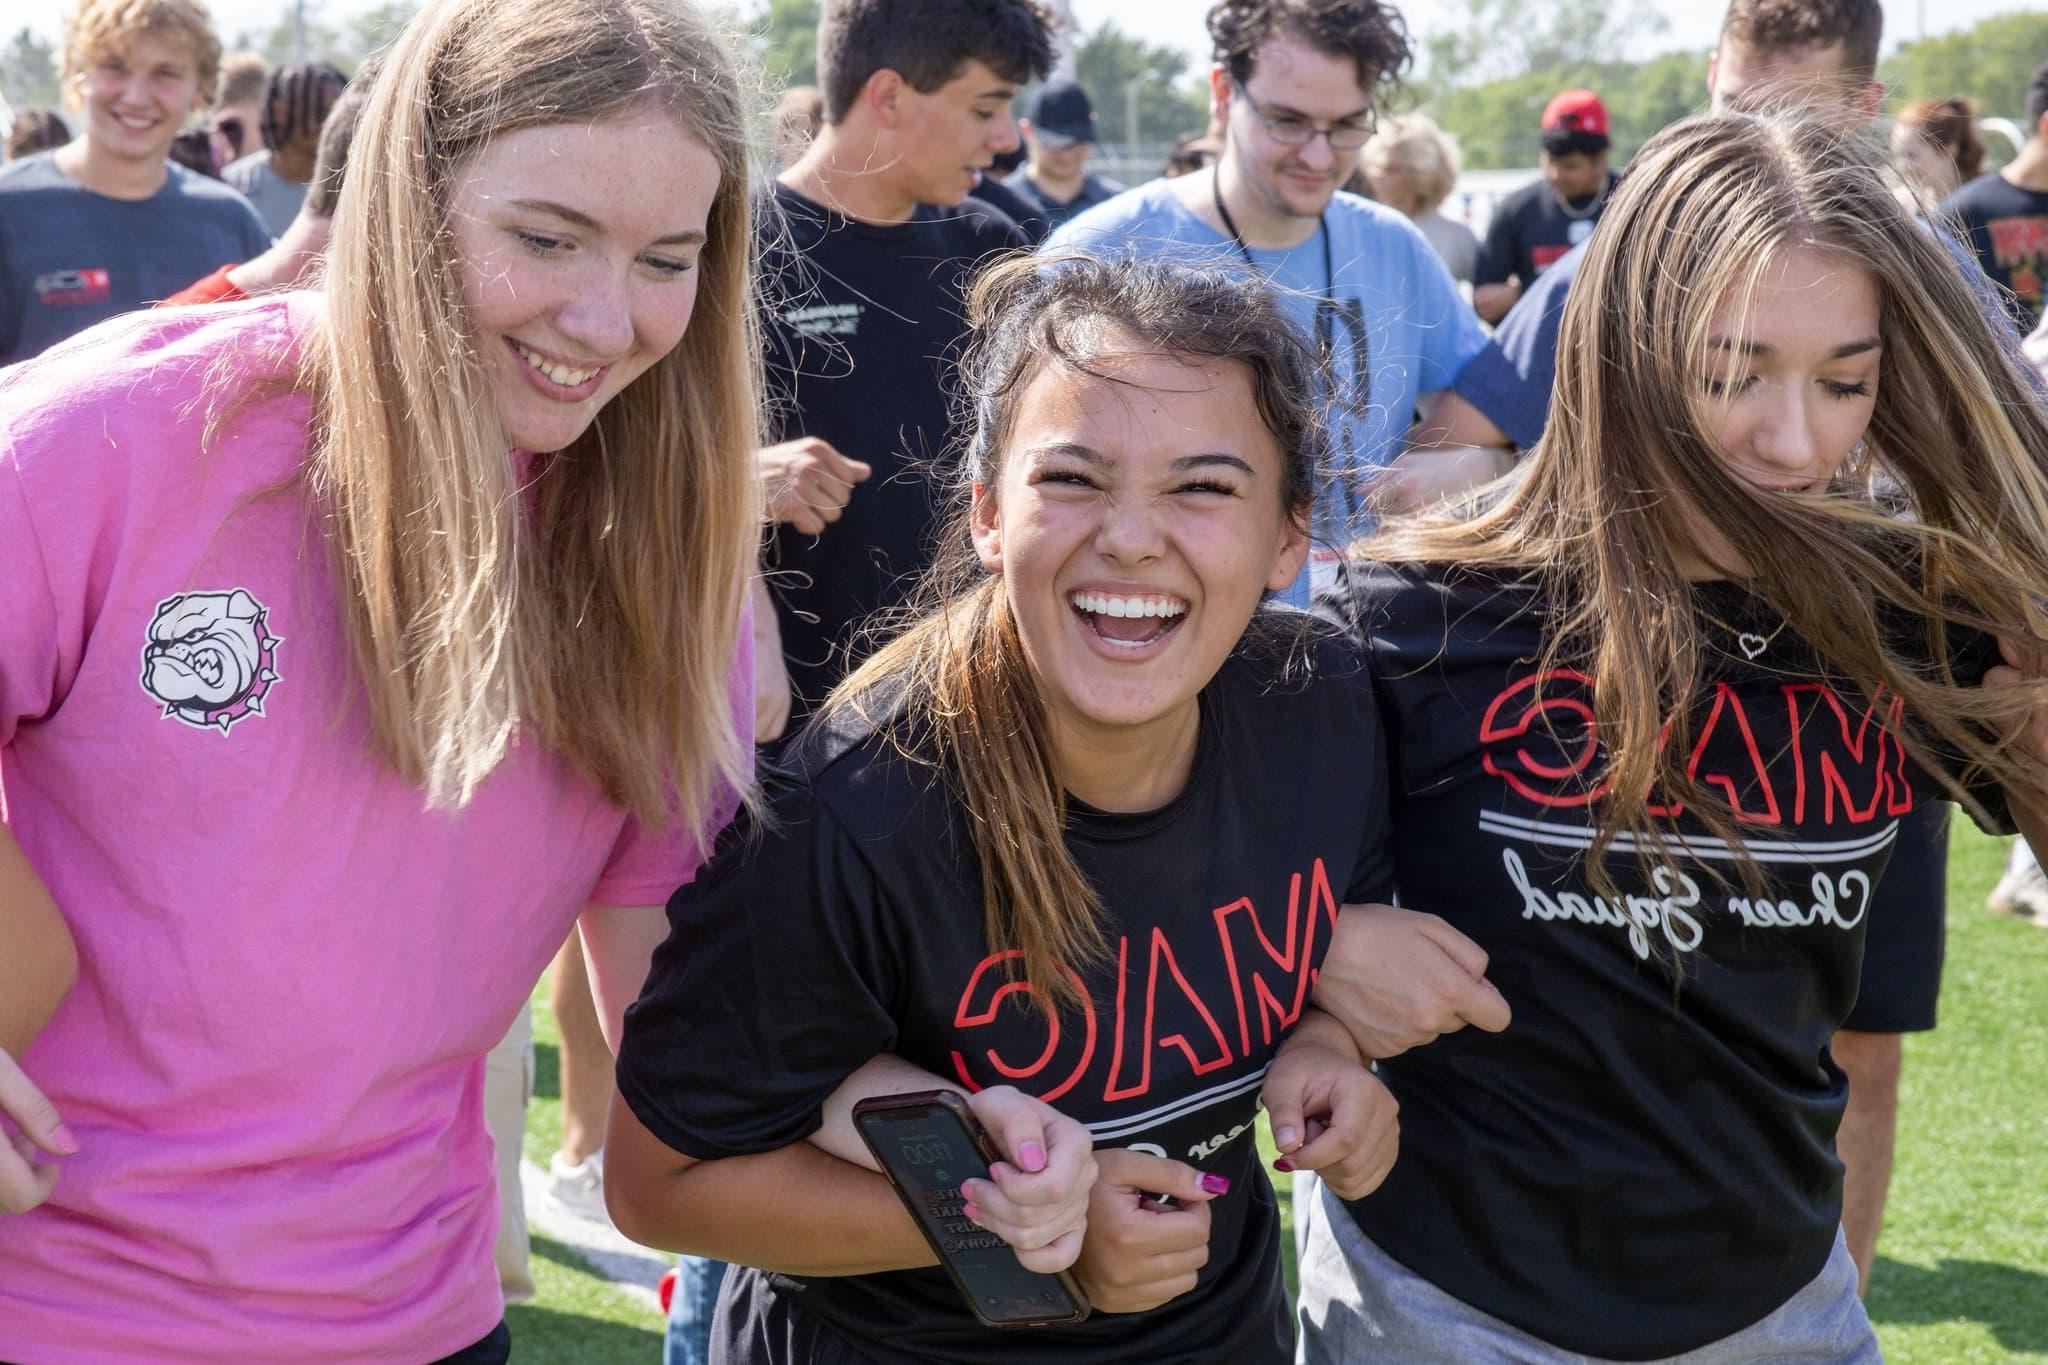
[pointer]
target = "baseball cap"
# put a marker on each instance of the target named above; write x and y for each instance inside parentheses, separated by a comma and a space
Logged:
(1576, 111)
(1061, 109)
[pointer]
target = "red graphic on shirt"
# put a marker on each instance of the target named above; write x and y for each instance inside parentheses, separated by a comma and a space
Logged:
(1845, 764)
(2020, 247)
(73, 288)
(1741, 779)
(1545, 257)
(1850, 765)
(1161, 1024)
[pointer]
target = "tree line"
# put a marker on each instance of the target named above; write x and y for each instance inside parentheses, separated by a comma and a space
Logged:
(1496, 119)
(1484, 74)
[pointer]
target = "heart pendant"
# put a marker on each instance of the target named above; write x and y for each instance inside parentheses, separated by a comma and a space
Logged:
(1752, 644)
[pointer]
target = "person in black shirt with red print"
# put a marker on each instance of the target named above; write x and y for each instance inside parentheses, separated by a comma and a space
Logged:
(1821, 54)
(1083, 829)
(1655, 710)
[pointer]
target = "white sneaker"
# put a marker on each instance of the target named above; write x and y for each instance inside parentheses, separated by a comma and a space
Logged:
(2023, 891)
(579, 1189)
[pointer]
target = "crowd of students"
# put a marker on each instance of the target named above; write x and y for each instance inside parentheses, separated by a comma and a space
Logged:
(1592, 819)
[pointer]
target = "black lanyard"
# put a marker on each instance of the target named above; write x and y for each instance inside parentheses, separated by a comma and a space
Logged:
(1326, 318)
(1325, 336)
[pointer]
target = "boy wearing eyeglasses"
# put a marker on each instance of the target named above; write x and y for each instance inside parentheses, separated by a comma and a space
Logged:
(1293, 88)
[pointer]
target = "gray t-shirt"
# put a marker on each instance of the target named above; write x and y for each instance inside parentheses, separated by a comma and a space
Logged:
(1053, 214)
(1455, 243)
(70, 258)
(277, 199)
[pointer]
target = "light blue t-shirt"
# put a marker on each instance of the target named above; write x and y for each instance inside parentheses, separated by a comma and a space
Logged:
(1398, 327)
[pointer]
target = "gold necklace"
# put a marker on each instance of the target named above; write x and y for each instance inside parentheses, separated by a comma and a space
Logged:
(1748, 641)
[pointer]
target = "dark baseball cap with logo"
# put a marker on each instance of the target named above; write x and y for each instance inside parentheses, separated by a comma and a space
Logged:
(1060, 114)
(1575, 122)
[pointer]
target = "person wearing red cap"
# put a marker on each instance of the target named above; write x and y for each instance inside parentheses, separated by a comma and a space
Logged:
(1537, 224)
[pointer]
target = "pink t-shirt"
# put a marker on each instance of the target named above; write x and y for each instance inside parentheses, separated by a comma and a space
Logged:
(290, 968)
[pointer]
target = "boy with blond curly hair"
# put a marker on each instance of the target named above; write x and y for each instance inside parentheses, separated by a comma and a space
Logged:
(106, 223)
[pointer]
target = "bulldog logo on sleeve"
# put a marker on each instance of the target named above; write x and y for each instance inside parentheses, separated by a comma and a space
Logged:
(210, 659)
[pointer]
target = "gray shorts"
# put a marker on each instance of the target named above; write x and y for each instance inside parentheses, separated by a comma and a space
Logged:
(1359, 1304)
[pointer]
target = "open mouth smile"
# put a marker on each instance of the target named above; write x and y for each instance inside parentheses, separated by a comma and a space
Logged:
(563, 382)
(1129, 621)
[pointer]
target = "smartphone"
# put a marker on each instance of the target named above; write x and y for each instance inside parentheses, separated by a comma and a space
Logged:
(927, 1143)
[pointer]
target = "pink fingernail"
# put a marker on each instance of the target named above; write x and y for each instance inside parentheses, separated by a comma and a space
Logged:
(1286, 1137)
(1214, 1183)
(66, 1143)
(971, 1211)
(1032, 1156)
(1284, 1166)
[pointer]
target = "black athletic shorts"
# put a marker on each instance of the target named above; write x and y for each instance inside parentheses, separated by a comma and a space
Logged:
(1903, 947)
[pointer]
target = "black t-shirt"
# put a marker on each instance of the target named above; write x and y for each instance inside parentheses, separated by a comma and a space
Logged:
(1530, 231)
(2008, 228)
(852, 925)
(999, 196)
(862, 323)
(1630, 1170)
(1042, 214)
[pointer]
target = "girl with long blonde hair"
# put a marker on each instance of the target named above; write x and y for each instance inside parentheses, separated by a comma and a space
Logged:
(355, 645)
(1770, 581)
(1078, 833)
(1412, 165)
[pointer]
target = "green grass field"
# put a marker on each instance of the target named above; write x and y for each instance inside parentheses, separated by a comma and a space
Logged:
(1962, 1275)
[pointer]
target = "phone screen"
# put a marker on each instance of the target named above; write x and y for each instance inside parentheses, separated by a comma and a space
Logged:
(928, 1152)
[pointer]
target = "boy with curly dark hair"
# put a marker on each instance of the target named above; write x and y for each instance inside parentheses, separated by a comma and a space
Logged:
(1295, 87)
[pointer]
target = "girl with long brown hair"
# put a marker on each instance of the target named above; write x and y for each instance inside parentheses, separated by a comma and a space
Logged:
(1937, 148)
(355, 644)
(1081, 829)
(1770, 581)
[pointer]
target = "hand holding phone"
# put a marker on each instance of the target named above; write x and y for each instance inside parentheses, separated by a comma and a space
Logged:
(1036, 1198)
(967, 1199)
(1140, 1252)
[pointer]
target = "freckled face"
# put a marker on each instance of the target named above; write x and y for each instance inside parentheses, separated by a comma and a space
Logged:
(577, 247)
